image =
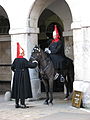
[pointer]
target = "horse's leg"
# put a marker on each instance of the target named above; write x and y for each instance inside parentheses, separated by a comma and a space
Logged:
(70, 81)
(71, 78)
(51, 89)
(67, 88)
(47, 91)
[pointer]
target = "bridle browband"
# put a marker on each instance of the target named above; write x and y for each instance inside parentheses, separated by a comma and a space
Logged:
(32, 58)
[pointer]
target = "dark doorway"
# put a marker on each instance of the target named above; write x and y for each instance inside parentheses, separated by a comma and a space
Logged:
(5, 52)
(46, 24)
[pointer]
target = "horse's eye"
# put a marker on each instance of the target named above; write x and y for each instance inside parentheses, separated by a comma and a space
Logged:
(32, 51)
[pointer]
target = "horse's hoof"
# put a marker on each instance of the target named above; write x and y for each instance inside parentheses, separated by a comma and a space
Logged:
(46, 103)
(50, 103)
(66, 99)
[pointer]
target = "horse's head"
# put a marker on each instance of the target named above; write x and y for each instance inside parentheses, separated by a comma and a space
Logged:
(36, 53)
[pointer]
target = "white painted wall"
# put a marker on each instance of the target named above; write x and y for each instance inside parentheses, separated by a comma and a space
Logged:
(18, 12)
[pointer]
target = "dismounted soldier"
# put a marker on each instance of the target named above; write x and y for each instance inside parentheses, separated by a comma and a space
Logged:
(21, 87)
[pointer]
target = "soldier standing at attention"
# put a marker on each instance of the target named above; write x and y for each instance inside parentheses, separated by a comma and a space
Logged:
(21, 88)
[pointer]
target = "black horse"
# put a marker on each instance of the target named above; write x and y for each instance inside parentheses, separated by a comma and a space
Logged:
(47, 72)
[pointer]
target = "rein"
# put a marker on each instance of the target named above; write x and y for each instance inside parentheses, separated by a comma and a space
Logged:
(41, 60)
(47, 65)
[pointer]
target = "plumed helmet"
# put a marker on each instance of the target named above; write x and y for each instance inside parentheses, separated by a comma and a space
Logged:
(20, 50)
(55, 32)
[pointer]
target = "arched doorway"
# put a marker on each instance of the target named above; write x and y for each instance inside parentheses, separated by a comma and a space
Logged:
(46, 13)
(5, 52)
(46, 23)
(46, 27)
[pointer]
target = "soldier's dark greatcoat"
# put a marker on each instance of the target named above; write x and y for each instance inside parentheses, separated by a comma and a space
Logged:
(21, 88)
(57, 54)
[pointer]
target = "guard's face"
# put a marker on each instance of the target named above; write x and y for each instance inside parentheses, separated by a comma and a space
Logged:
(54, 37)
(23, 54)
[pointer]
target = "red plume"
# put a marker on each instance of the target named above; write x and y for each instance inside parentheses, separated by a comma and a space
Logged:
(56, 35)
(55, 32)
(18, 49)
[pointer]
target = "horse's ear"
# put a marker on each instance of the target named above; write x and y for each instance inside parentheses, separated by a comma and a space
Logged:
(36, 45)
(39, 45)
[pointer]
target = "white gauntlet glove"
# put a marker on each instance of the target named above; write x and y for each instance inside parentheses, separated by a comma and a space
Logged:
(47, 50)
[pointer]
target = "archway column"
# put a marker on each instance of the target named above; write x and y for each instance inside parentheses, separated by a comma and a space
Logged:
(35, 81)
(27, 38)
(81, 39)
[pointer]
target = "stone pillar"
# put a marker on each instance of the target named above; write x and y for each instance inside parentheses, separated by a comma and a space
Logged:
(35, 81)
(68, 44)
(86, 66)
(81, 40)
(27, 39)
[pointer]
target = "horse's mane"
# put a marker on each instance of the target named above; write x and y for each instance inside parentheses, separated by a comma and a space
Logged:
(44, 53)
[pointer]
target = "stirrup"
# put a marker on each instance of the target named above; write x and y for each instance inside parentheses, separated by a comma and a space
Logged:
(62, 79)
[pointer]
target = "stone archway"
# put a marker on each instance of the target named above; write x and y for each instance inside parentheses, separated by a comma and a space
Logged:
(46, 23)
(5, 52)
(60, 8)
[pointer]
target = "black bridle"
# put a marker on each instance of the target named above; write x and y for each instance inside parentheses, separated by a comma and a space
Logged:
(41, 60)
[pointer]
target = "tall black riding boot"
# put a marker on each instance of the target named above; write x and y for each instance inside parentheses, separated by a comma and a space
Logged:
(23, 104)
(17, 103)
(22, 101)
